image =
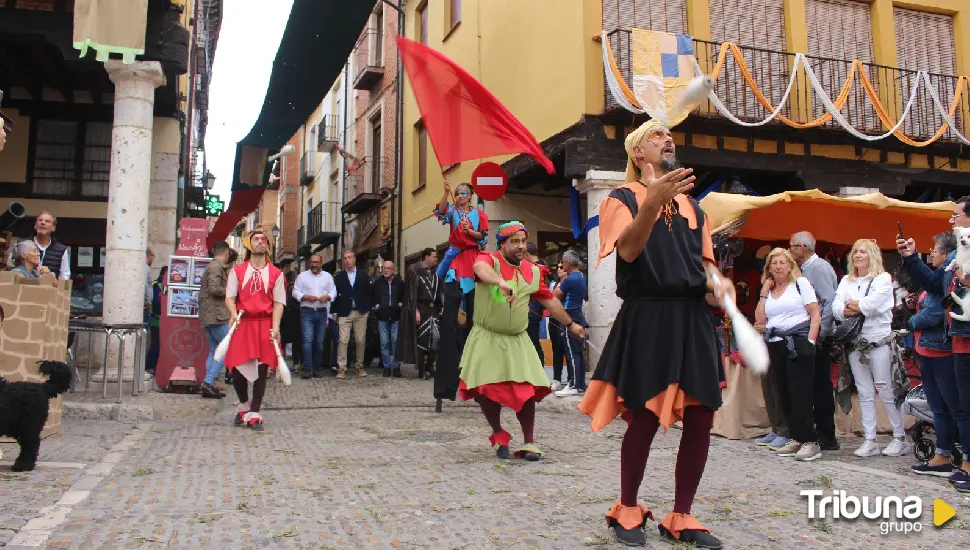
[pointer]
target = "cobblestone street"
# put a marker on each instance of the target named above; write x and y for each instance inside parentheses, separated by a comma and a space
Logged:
(366, 463)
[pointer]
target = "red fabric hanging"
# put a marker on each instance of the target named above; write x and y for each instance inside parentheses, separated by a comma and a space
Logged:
(463, 119)
(241, 203)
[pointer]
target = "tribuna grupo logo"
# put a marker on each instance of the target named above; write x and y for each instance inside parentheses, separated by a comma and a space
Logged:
(895, 514)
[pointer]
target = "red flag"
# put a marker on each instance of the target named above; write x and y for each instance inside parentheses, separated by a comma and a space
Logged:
(464, 120)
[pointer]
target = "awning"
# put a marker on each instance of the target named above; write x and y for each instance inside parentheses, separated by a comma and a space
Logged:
(319, 37)
(832, 219)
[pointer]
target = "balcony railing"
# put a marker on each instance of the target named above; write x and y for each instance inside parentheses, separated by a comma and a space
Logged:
(327, 133)
(364, 188)
(323, 223)
(307, 169)
(369, 59)
(771, 70)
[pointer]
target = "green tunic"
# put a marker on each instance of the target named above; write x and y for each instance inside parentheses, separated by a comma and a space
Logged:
(498, 348)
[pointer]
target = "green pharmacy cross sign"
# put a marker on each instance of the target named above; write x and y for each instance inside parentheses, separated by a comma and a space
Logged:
(214, 206)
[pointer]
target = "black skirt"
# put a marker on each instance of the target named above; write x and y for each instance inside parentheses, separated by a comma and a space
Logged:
(656, 342)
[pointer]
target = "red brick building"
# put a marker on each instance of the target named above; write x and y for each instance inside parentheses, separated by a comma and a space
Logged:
(368, 191)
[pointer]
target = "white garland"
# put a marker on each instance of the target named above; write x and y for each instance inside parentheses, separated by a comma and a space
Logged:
(922, 79)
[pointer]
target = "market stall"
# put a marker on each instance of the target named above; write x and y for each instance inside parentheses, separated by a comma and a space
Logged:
(836, 222)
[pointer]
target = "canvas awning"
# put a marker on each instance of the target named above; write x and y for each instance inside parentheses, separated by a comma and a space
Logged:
(833, 219)
(318, 39)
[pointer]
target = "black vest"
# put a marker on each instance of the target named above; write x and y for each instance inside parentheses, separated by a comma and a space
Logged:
(52, 257)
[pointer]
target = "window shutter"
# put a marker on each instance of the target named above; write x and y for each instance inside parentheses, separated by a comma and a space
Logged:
(924, 41)
(752, 24)
(838, 32)
(655, 15)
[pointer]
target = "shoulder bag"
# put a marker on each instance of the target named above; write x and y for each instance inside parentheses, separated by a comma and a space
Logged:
(848, 330)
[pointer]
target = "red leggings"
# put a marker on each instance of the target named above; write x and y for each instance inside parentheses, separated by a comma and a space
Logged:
(695, 442)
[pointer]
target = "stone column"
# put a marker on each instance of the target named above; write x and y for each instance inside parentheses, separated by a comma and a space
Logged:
(603, 302)
(162, 216)
(128, 197)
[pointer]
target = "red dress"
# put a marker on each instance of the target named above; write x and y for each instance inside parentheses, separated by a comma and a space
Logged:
(251, 340)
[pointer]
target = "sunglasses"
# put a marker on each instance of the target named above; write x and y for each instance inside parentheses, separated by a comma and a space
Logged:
(463, 193)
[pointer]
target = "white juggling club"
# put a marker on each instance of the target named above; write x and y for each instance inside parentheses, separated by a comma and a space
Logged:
(751, 344)
(223, 347)
(695, 92)
(282, 371)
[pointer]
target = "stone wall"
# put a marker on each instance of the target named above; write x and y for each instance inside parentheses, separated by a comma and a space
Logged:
(35, 329)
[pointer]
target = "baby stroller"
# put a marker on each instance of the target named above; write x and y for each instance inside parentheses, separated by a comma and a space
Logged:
(921, 432)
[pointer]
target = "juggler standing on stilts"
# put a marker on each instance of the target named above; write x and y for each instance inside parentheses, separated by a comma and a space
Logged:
(660, 363)
(258, 289)
(499, 366)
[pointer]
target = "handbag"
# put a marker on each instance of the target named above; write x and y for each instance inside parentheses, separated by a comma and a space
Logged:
(848, 330)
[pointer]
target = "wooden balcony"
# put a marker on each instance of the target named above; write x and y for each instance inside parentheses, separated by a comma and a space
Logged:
(771, 70)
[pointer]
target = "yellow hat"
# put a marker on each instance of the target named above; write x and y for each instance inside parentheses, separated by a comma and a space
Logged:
(634, 139)
(247, 240)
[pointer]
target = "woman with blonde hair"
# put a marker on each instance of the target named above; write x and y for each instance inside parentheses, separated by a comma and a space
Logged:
(789, 316)
(868, 290)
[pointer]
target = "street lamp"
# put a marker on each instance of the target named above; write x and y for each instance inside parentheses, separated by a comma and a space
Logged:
(286, 150)
(276, 231)
(210, 180)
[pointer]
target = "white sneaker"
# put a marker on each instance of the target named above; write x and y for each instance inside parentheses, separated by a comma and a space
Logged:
(898, 447)
(556, 385)
(568, 392)
(869, 448)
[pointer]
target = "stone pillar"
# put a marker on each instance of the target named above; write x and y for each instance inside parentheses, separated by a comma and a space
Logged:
(128, 198)
(162, 223)
(856, 191)
(603, 301)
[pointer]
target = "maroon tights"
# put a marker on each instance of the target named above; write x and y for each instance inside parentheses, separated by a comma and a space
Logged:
(526, 416)
(695, 441)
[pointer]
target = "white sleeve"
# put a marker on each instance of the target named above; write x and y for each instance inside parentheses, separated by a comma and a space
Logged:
(279, 290)
(232, 284)
(331, 287)
(880, 298)
(66, 264)
(297, 287)
(807, 291)
(838, 303)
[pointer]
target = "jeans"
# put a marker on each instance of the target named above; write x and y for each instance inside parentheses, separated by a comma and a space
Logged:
(794, 376)
(313, 327)
(388, 332)
(558, 352)
(154, 348)
(943, 397)
(876, 377)
(215, 334)
(575, 348)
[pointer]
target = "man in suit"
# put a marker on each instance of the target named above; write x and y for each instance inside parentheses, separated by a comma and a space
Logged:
(354, 298)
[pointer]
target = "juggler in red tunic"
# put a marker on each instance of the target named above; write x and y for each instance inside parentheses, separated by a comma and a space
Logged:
(254, 297)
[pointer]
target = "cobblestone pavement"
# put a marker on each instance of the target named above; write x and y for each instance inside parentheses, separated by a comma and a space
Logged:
(366, 463)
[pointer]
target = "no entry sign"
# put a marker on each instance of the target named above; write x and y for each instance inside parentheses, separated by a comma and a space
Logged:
(490, 181)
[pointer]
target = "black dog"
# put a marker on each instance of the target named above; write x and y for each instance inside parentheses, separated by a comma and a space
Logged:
(23, 409)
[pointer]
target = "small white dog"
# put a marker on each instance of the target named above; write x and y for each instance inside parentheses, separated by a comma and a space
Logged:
(962, 261)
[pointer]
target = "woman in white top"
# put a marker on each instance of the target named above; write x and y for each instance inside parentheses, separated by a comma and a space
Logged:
(789, 316)
(871, 368)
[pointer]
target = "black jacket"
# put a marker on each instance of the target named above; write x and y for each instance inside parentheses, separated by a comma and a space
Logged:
(360, 295)
(389, 306)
